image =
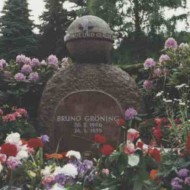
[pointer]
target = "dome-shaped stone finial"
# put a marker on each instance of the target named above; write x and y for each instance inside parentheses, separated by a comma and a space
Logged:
(89, 39)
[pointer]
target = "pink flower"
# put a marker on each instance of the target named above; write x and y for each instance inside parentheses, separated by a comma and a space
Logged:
(106, 171)
(22, 112)
(130, 113)
(163, 58)
(20, 77)
(3, 63)
(149, 63)
(158, 72)
(9, 117)
(132, 134)
(26, 69)
(148, 84)
(47, 180)
(34, 76)
(129, 148)
(3, 158)
(171, 43)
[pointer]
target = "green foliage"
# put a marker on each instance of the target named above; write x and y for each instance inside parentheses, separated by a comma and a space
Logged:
(16, 30)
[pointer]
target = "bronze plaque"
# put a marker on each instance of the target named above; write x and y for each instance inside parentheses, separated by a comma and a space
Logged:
(81, 115)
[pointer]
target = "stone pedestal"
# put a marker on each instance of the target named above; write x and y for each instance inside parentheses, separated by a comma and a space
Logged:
(88, 97)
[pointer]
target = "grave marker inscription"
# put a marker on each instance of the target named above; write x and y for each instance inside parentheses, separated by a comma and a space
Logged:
(81, 115)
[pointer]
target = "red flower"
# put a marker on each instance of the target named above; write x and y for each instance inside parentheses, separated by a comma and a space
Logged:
(35, 143)
(158, 121)
(157, 133)
(99, 139)
(120, 122)
(107, 149)
(155, 153)
(140, 144)
(9, 149)
(153, 174)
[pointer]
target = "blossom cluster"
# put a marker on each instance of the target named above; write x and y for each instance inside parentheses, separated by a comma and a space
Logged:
(11, 117)
(57, 177)
(106, 149)
(134, 143)
(13, 151)
(182, 181)
(16, 150)
(159, 69)
(29, 70)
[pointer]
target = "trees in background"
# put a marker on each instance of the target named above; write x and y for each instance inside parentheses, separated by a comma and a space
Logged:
(140, 25)
(56, 20)
(16, 30)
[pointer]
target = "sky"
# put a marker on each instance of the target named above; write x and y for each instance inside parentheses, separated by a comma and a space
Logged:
(38, 6)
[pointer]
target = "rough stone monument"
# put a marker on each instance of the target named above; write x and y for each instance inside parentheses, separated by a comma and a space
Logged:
(88, 97)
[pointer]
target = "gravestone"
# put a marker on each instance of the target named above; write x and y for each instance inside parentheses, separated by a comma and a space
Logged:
(82, 114)
(88, 96)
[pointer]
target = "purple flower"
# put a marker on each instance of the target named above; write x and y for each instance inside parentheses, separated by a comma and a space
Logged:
(27, 61)
(34, 76)
(187, 181)
(148, 84)
(35, 62)
(130, 113)
(149, 63)
(88, 164)
(1, 66)
(13, 162)
(171, 43)
(26, 69)
(53, 61)
(163, 58)
(60, 179)
(44, 139)
(22, 59)
(177, 183)
(183, 173)
(20, 77)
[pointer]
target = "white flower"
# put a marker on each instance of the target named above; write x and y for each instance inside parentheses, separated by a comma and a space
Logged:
(73, 153)
(57, 187)
(43, 62)
(167, 101)
(13, 138)
(58, 170)
(46, 171)
(133, 159)
(182, 103)
(184, 45)
(159, 93)
(180, 86)
(22, 154)
(70, 170)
